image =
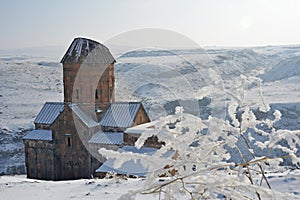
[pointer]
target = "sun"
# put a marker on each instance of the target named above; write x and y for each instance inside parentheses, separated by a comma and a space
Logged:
(246, 22)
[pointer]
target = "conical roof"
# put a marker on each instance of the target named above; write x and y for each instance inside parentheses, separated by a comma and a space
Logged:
(83, 49)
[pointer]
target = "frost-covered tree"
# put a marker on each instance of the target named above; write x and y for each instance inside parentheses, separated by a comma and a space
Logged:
(198, 158)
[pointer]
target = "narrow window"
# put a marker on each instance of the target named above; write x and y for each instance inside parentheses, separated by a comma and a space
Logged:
(69, 142)
(96, 94)
(77, 94)
(76, 164)
(110, 95)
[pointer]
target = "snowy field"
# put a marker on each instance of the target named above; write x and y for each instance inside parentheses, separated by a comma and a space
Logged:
(16, 187)
(161, 80)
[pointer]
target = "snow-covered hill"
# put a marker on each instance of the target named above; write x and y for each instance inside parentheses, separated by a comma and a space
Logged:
(27, 82)
(287, 68)
(162, 79)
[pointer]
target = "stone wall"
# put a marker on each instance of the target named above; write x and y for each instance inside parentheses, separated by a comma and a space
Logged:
(39, 159)
(88, 84)
(72, 158)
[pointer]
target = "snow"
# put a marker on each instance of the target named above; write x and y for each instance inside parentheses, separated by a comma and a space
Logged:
(141, 128)
(154, 79)
(27, 82)
(132, 167)
(162, 80)
(19, 187)
(284, 69)
(24, 88)
(286, 182)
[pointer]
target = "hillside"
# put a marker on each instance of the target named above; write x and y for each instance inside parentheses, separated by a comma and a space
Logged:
(162, 79)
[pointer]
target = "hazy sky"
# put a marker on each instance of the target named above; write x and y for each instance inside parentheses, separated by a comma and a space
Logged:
(208, 22)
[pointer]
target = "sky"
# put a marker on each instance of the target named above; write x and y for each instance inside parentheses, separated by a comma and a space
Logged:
(34, 23)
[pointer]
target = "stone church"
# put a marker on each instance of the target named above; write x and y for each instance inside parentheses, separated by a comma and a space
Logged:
(67, 134)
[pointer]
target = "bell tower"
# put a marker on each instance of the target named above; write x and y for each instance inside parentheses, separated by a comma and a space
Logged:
(88, 75)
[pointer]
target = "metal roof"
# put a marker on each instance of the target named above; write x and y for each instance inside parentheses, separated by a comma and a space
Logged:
(107, 138)
(121, 114)
(88, 51)
(86, 119)
(129, 167)
(39, 135)
(49, 113)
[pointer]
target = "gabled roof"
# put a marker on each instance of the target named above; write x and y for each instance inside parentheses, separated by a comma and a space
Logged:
(86, 119)
(121, 114)
(39, 134)
(81, 48)
(49, 113)
(115, 138)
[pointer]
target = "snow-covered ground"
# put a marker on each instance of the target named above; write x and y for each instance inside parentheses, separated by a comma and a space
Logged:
(30, 78)
(19, 187)
(16, 187)
(27, 82)
(162, 80)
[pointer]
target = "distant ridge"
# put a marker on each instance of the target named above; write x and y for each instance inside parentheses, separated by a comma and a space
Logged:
(42, 51)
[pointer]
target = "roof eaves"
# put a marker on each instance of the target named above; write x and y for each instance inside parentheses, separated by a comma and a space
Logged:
(39, 134)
